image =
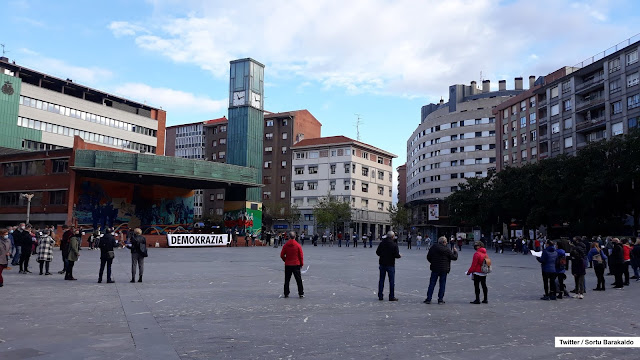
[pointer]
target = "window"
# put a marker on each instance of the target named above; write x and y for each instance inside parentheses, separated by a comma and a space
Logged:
(454, 137)
(299, 170)
(365, 171)
(365, 187)
(283, 150)
(214, 143)
(267, 164)
(347, 185)
(566, 86)
(555, 145)
(347, 168)
(614, 65)
(353, 168)
(364, 202)
(58, 197)
(633, 101)
(616, 129)
(283, 194)
(614, 86)
(380, 190)
(284, 136)
(567, 105)
(568, 123)
(269, 122)
(332, 168)
(478, 133)
(214, 156)
(523, 122)
(212, 197)
(220, 196)
(523, 138)
(266, 180)
(505, 128)
(332, 185)
(514, 141)
(298, 186)
(223, 141)
(478, 161)
(312, 185)
(534, 152)
(308, 217)
(454, 162)
(268, 136)
(523, 105)
(633, 122)
(268, 149)
(380, 205)
(555, 128)
(478, 147)
(266, 195)
(532, 118)
(313, 169)
(555, 109)
(632, 79)
(285, 122)
(513, 125)
(533, 135)
(632, 57)
(381, 175)
(616, 107)
(221, 154)
(568, 142)
(313, 155)
(60, 166)
(219, 211)
(505, 144)
(223, 128)
(532, 101)
(283, 164)
(554, 92)
(523, 154)
(380, 160)
(454, 176)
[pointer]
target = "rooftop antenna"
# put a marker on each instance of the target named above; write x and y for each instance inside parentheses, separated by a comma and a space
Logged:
(358, 123)
(4, 52)
(481, 79)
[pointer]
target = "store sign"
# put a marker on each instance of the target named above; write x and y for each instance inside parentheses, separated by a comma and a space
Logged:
(434, 211)
(187, 240)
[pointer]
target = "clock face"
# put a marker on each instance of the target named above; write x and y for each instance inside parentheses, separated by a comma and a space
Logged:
(239, 98)
(255, 100)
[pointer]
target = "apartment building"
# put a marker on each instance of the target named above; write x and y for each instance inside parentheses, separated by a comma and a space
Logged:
(402, 184)
(572, 107)
(349, 170)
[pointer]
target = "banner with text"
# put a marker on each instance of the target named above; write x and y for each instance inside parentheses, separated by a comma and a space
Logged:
(186, 240)
(434, 211)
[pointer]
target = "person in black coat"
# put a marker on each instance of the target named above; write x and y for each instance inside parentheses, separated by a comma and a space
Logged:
(25, 241)
(388, 252)
(440, 257)
(616, 263)
(106, 244)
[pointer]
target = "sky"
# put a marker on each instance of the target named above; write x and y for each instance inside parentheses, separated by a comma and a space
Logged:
(379, 60)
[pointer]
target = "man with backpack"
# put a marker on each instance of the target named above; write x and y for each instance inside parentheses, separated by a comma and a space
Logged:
(548, 264)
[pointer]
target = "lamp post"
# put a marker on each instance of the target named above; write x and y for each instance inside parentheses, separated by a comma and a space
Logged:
(28, 197)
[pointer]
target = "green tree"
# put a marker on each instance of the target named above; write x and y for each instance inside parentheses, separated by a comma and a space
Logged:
(399, 215)
(329, 212)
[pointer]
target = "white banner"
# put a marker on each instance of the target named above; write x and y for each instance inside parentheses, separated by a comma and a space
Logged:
(434, 211)
(600, 342)
(186, 240)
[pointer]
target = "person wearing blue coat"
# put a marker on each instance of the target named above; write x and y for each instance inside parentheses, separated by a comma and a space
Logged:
(560, 273)
(599, 264)
(548, 265)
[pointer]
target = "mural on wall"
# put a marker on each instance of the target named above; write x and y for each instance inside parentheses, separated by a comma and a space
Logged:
(245, 220)
(109, 203)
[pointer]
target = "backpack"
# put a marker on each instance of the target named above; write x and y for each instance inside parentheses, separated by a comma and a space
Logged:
(486, 265)
(561, 262)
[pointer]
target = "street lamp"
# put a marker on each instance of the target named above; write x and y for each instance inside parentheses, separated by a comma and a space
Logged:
(28, 197)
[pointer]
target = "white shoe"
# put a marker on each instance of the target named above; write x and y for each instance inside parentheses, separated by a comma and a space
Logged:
(580, 296)
(576, 296)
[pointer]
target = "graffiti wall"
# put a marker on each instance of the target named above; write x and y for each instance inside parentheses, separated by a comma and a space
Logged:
(110, 203)
(244, 217)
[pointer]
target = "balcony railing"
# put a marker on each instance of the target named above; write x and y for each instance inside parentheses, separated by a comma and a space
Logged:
(584, 125)
(542, 103)
(589, 103)
(608, 52)
(597, 80)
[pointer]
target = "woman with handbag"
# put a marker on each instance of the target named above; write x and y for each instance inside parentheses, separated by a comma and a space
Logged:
(598, 258)
(106, 244)
(45, 250)
(138, 253)
(480, 267)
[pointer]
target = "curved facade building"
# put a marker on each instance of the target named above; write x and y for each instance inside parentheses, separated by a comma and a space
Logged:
(454, 141)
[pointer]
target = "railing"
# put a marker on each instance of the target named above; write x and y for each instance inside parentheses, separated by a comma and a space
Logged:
(589, 103)
(589, 123)
(542, 103)
(595, 81)
(608, 52)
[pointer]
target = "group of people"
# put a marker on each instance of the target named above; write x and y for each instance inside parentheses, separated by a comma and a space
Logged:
(579, 254)
(21, 242)
(419, 240)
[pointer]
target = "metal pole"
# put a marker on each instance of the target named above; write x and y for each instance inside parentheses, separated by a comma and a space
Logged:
(28, 197)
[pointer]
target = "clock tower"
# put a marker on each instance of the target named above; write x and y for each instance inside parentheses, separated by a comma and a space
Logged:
(244, 137)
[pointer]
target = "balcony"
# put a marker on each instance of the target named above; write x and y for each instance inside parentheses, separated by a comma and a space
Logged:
(586, 104)
(542, 103)
(591, 124)
(589, 84)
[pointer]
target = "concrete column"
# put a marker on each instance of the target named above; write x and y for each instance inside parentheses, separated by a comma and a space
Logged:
(518, 82)
(486, 86)
(502, 85)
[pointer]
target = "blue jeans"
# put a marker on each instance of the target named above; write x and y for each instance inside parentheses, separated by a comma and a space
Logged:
(391, 270)
(435, 276)
(16, 256)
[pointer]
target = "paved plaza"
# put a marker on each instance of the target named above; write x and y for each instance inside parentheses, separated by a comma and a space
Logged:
(226, 303)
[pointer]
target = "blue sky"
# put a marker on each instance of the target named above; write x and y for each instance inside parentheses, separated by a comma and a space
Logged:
(377, 58)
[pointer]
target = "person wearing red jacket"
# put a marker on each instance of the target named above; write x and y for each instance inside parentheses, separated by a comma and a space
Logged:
(479, 278)
(293, 259)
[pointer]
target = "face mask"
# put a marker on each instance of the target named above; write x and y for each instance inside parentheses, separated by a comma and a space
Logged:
(6, 237)
(22, 227)
(11, 232)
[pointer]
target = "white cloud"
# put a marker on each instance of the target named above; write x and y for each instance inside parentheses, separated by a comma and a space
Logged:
(91, 76)
(123, 28)
(404, 47)
(170, 99)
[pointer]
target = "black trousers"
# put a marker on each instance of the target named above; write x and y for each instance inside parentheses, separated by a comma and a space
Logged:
(104, 262)
(599, 270)
(477, 281)
(549, 279)
(295, 270)
(560, 289)
(24, 260)
(69, 274)
(44, 264)
(625, 271)
(617, 270)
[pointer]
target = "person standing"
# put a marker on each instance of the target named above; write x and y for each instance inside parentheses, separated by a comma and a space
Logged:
(64, 247)
(138, 253)
(293, 258)
(25, 243)
(626, 256)
(106, 244)
(331, 239)
(560, 273)
(355, 240)
(409, 241)
(440, 257)
(599, 260)
(635, 260)
(452, 242)
(364, 239)
(370, 240)
(5, 252)
(73, 253)
(339, 238)
(427, 242)
(578, 268)
(616, 263)
(475, 270)
(388, 252)
(14, 246)
(418, 241)
(548, 264)
(45, 251)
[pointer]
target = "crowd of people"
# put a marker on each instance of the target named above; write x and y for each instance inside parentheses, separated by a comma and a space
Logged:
(18, 244)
